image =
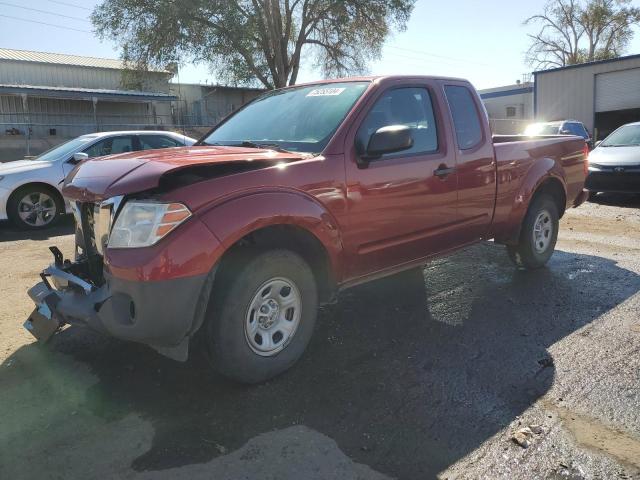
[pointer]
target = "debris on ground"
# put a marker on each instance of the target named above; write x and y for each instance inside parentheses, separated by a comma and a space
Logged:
(524, 436)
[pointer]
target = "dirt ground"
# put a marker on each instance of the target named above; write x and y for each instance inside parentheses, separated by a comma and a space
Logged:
(427, 374)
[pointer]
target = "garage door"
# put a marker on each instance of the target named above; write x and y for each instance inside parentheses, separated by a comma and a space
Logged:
(618, 90)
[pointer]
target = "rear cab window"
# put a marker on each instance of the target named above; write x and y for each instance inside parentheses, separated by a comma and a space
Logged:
(466, 118)
(577, 129)
(411, 107)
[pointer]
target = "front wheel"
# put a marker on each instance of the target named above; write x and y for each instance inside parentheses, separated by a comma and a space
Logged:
(262, 316)
(538, 236)
(35, 207)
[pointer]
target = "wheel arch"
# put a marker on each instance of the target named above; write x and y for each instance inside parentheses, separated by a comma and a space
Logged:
(281, 220)
(555, 188)
(48, 186)
(543, 178)
(289, 237)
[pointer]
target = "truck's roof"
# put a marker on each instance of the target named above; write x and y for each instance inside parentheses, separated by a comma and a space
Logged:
(373, 78)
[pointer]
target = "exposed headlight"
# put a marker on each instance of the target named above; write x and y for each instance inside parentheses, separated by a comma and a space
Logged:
(141, 224)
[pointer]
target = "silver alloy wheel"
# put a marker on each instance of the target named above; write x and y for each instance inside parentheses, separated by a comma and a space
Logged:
(273, 316)
(37, 209)
(542, 231)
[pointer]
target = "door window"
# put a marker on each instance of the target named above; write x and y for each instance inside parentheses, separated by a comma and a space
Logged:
(149, 142)
(110, 146)
(410, 107)
(465, 116)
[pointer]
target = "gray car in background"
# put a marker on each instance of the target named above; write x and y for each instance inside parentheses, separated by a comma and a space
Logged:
(614, 165)
(560, 127)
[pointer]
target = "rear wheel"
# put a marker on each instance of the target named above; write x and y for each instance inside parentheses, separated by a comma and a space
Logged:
(262, 316)
(538, 236)
(35, 207)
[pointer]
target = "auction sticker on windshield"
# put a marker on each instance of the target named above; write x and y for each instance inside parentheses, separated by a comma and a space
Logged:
(325, 92)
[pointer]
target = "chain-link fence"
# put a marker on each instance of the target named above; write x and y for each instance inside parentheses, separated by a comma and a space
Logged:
(30, 134)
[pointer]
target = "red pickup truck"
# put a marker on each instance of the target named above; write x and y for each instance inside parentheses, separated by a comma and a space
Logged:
(303, 192)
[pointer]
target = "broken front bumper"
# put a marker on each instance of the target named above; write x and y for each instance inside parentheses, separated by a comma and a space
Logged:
(162, 314)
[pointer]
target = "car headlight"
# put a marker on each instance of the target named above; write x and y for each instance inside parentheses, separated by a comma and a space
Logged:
(142, 224)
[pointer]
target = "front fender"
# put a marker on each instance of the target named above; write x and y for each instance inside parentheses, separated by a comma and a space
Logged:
(237, 217)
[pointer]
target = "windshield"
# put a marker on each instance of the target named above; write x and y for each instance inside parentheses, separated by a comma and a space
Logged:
(300, 119)
(542, 129)
(65, 149)
(626, 136)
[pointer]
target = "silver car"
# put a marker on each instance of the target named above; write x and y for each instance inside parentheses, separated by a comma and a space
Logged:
(30, 193)
(614, 165)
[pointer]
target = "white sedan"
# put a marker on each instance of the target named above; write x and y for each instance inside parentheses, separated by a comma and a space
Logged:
(30, 193)
(614, 166)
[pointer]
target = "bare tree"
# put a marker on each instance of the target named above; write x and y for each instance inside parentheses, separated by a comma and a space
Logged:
(576, 31)
(252, 41)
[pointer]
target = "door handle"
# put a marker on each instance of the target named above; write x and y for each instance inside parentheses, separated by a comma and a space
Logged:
(443, 171)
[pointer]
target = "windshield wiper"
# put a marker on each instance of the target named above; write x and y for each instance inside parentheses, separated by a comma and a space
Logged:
(248, 144)
(268, 146)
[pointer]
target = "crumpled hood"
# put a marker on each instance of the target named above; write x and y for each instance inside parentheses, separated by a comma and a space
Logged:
(615, 156)
(21, 166)
(97, 179)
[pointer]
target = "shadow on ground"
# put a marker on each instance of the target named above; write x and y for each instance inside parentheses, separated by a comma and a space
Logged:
(9, 233)
(407, 375)
(617, 200)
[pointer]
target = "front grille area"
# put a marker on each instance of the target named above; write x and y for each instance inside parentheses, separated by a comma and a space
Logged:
(628, 182)
(90, 250)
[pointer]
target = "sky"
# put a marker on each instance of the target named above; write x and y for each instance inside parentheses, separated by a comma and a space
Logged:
(481, 41)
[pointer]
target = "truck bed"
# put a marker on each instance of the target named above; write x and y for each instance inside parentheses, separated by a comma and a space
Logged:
(520, 162)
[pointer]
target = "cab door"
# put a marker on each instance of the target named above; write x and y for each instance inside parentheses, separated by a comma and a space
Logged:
(402, 205)
(475, 159)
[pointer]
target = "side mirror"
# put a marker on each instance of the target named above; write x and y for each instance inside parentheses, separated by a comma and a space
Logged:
(566, 132)
(597, 143)
(78, 157)
(390, 139)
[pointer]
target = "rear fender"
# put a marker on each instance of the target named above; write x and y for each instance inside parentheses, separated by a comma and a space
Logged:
(541, 171)
(236, 218)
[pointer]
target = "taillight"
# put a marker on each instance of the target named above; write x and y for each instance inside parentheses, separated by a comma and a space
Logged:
(585, 151)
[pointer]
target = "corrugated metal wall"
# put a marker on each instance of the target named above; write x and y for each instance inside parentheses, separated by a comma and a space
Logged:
(26, 73)
(70, 118)
(618, 90)
(570, 93)
(56, 119)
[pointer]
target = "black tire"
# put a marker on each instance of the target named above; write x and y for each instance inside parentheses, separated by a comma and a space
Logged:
(529, 254)
(55, 202)
(593, 196)
(225, 335)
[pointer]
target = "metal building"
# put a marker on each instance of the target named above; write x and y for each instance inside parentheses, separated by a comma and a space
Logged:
(603, 95)
(205, 105)
(510, 108)
(57, 95)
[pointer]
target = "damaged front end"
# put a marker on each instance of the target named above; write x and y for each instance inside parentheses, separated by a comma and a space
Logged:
(163, 314)
(72, 292)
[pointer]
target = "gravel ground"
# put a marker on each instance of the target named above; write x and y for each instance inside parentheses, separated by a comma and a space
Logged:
(427, 374)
